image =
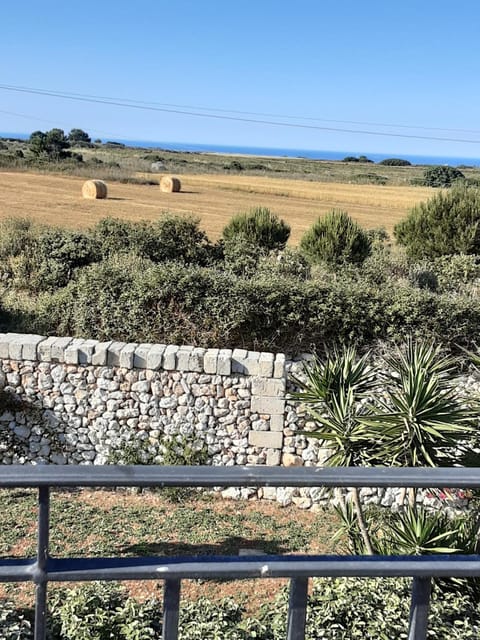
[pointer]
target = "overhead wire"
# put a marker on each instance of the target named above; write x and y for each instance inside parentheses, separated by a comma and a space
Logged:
(221, 114)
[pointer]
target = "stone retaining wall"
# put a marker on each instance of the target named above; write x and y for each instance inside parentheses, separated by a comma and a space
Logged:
(73, 401)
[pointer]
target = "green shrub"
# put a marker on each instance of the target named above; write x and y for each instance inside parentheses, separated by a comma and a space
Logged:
(446, 224)
(40, 258)
(395, 162)
(241, 256)
(172, 237)
(101, 611)
(441, 176)
(373, 608)
(456, 272)
(336, 239)
(289, 263)
(260, 227)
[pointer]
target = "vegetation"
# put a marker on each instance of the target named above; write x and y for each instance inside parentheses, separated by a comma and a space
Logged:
(336, 239)
(395, 162)
(446, 224)
(442, 176)
(259, 227)
(51, 143)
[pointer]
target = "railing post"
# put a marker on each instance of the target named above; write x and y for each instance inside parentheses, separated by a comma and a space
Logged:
(421, 590)
(297, 609)
(171, 603)
(40, 569)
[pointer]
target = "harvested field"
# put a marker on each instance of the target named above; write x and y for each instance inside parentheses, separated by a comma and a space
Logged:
(56, 199)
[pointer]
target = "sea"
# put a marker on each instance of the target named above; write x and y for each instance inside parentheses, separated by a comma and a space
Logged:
(312, 154)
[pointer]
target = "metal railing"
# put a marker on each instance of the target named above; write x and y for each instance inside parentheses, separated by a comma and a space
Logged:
(44, 568)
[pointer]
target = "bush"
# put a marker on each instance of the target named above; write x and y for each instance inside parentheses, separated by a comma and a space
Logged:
(289, 263)
(172, 237)
(336, 239)
(422, 277)
(260, 227)
(371, 608)
(446, 224)
(456, 272)
(441, 176)
(395, 162)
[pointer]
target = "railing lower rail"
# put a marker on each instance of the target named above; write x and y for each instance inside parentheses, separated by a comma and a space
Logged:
(172, 570)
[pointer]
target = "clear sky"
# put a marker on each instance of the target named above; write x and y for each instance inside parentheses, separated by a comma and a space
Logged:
(411, 62)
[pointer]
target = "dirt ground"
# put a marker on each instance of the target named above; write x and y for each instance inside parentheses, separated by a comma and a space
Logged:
(57, 199)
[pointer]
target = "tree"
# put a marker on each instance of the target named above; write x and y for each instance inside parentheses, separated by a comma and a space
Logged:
(441, 176)
(336, 239)
(78, 135)
(52, 143)
(448, 223)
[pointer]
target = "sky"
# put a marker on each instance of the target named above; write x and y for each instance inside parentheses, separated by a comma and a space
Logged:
(314, 65)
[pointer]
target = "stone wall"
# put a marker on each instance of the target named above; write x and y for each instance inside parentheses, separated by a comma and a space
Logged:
(73, 401)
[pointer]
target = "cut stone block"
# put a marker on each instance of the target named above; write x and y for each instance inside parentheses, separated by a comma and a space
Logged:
(71, 353)
(224, 362)
(155, 357)
(100, 356)
(57, 350)
(141, 355)
(127, 355)
(277, 422)
(196, 360)
(44, 349)
(114, 350)
(86, 351)
(268, 387)
(268, 405)
(265, 364)
(183, 358)
(266, 439)
(210, 361)
(279, 366)
(238, 358)
(169, 357)
(273, 457)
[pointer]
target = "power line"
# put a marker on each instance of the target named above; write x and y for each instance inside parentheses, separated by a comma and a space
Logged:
(128, 101)
(217, 116)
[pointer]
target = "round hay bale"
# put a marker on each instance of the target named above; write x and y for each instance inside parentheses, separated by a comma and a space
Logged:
(94, 189)
(169, 184)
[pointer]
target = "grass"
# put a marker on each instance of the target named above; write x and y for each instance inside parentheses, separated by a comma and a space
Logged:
(120, 523)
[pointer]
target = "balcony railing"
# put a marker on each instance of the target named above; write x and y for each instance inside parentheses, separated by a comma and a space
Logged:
(44, 568)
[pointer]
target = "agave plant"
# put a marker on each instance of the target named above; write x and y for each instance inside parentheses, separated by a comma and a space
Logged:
(422, 421)
(333, 392)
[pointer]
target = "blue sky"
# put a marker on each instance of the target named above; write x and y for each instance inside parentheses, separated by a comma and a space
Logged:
(410, 63)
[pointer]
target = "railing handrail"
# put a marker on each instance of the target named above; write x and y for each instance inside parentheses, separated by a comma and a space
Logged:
(44, 568)
(23, 476)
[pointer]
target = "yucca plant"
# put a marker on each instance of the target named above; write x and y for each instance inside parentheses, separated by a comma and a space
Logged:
(423, 420)
(333, 391)
(418, 419)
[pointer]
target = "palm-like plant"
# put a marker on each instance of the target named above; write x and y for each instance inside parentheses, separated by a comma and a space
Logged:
(423, 420)
(333, 391)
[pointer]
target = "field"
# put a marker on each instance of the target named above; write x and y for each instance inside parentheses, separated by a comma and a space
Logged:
(56, 199)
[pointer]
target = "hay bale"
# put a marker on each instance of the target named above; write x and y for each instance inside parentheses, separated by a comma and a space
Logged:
(169, 184)
(94, 189)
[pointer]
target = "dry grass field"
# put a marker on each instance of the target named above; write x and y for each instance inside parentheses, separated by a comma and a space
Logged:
(57, 199)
